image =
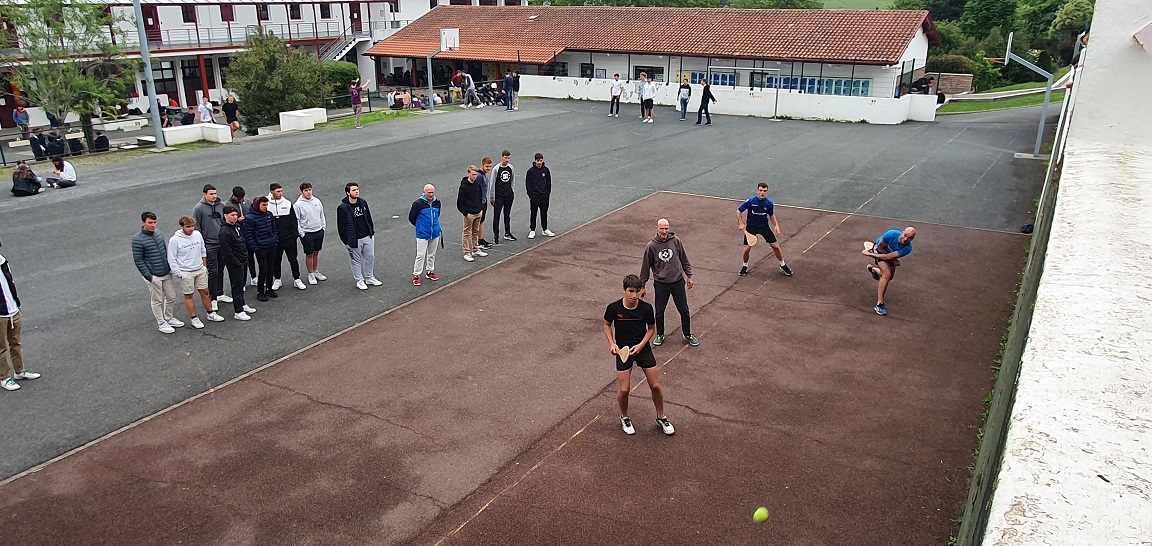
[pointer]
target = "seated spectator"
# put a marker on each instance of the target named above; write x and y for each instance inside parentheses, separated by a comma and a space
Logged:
(164, 121)
(172, 102)
(75, 147)
(65, 173)
(437, 100)
(25, 182)
(419, 102)
(189, 117)
(54, 143)
(36, 141)
(101, 143)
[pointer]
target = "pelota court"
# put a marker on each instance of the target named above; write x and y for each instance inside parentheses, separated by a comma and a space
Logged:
(484, 412)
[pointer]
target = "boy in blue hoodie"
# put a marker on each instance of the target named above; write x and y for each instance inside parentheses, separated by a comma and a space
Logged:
(425, 215)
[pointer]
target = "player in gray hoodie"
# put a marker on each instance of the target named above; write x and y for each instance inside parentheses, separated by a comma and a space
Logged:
(667, 263)
(209, 213)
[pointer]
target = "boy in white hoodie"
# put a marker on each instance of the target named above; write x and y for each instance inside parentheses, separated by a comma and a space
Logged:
(187, 257)
(311, 223)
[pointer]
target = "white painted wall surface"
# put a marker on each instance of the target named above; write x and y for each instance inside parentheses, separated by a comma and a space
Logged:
(739, 101)
(1077, 466)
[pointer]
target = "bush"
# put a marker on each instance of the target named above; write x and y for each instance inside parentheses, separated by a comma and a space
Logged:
(986, 75)
(338, 75)
(269, 77)
(955, 64)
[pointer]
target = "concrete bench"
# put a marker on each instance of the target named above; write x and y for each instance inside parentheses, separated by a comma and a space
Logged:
(297, 121)
(318, 115)
(120, 125)
(184, 134)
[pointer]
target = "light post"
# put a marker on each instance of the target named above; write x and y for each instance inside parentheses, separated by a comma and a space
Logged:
(154, 105)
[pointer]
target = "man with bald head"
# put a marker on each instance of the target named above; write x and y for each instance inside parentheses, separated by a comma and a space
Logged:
(888, 250)
(667, 263)
(425, 215)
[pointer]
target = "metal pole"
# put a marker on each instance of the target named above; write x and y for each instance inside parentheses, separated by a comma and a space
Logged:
(431, 91)
(144, 56)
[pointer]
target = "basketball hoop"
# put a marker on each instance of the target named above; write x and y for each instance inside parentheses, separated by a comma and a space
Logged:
(449, 39)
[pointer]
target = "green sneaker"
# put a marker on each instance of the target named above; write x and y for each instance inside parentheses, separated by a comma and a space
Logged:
(691, 339)
(658, 340)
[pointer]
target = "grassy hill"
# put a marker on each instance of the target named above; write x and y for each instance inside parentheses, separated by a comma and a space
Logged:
(855, 4)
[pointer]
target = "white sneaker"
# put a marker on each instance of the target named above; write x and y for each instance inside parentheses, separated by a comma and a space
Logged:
(480, 106)
(361, 285)
(311, 278)
(215, 317)
(373, 281)
(469, 258)
(248, 309)
(299, 284)
(253, 281)
(276, 284)
(480, 253)
(241, 316)
(196, 323)
(549, 233)
(320, 276)
(532, 234)
(224, 298)
(166, 328)
(175, 323)
(617, 115)
(9, 384)
(515, 107)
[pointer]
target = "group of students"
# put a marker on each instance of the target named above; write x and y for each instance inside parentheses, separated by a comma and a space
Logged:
(26, 183)
(646, 92)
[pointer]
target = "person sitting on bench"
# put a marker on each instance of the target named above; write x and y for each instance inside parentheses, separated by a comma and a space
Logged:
(101, 143)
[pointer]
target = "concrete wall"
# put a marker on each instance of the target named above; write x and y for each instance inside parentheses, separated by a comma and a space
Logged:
(741, 101)
(1075, 464)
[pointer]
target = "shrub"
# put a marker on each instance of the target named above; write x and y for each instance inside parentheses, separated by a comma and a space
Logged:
(956, 64)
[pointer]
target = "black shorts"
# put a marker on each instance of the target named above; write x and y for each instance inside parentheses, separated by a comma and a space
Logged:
(645, 359)
(765, 231)
(647, 103)
(484, 213)
(313, 242)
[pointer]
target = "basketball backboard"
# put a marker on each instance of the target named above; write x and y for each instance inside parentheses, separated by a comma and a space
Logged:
(449, 39)
(1008, 50)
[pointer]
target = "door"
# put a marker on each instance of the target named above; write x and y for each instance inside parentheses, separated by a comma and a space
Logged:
(151, 24)
(354, 17)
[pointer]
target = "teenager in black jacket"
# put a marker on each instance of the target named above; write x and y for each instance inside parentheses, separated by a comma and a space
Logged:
(705, 96)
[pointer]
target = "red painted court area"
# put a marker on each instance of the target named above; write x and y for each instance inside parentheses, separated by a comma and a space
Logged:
(484, 413)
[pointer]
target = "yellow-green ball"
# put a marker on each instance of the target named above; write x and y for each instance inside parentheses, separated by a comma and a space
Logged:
(760, 515)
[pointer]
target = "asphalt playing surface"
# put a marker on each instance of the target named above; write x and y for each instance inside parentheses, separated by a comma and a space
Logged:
(88, 328)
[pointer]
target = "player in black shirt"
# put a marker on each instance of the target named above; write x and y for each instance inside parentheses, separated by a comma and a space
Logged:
(635, 324)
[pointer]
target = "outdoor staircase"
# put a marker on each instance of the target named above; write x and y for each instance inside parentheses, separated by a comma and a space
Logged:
(342, 46)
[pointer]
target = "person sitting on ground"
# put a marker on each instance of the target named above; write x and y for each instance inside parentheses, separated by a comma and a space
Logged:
(437, 100)
(65, 173)
(396, 100)
(419, 102)
(189, 117)
(101, 143)
(25, 182)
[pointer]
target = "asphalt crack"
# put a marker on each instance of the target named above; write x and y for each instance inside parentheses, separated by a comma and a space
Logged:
(357, 411)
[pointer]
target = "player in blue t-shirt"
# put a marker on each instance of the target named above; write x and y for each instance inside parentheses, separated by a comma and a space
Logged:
(760, 212)
(888, 250)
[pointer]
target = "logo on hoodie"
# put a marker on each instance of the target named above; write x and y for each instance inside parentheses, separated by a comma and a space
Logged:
(665, 255)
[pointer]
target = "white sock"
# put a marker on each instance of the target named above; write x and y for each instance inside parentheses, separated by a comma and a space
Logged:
(745, 264)
(782, 262)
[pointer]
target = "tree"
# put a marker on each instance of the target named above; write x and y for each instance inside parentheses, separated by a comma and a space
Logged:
(907, 4)
(950, 37)
(270, 77)
(1072, 18)
(945, 10)
(981, 15)
(69, 61)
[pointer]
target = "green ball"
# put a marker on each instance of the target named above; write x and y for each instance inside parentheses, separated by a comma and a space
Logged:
(760, 515)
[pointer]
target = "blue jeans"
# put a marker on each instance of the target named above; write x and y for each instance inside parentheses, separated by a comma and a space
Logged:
(683, 108)
(508, 99)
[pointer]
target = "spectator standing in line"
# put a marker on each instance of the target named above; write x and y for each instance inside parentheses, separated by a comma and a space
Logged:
(705, 97)
(502, 195)
(684, 96)
(617, 90)
(538, 182)
(206, 113)
(239, 201)
(20, 118)
(150, 253)
(231, 114)
(234, 254)
(287, 233)
(640, 91)
(483, 181)
(509, 93)
(64, 173)
(356, 91)
(358, 233)
(667, 263)
(648, 99)
(188, 261)
(261, 238)
(425, 216)
(311, 222)
(515, 89)
(454, 93)
(208, 213)
(471, 206)
(11, 352)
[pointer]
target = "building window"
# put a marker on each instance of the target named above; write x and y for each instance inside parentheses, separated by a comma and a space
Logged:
(654, 73)
(262, 12)
(226, 14)
(697, 77)
(224, 63)
(164, 74)
(189, 13)
(587, 70)
(556, 69)
(725, 79)
(325, 11)
(294, 11)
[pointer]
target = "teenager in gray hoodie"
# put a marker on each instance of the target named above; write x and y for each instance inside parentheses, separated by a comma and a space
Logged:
(667, 263)
(209, 213)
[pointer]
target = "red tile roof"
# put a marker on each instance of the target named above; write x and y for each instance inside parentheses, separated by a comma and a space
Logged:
(496, 33)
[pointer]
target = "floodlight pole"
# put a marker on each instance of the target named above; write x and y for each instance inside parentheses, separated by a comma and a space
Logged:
(431, 91)
(1047, 91)
(142, 33)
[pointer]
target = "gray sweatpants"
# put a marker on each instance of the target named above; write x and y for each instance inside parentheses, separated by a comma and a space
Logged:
(363, 258)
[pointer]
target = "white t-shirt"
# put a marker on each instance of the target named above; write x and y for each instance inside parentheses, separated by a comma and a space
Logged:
(648, 90)
(617, 88)
(205, 113)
